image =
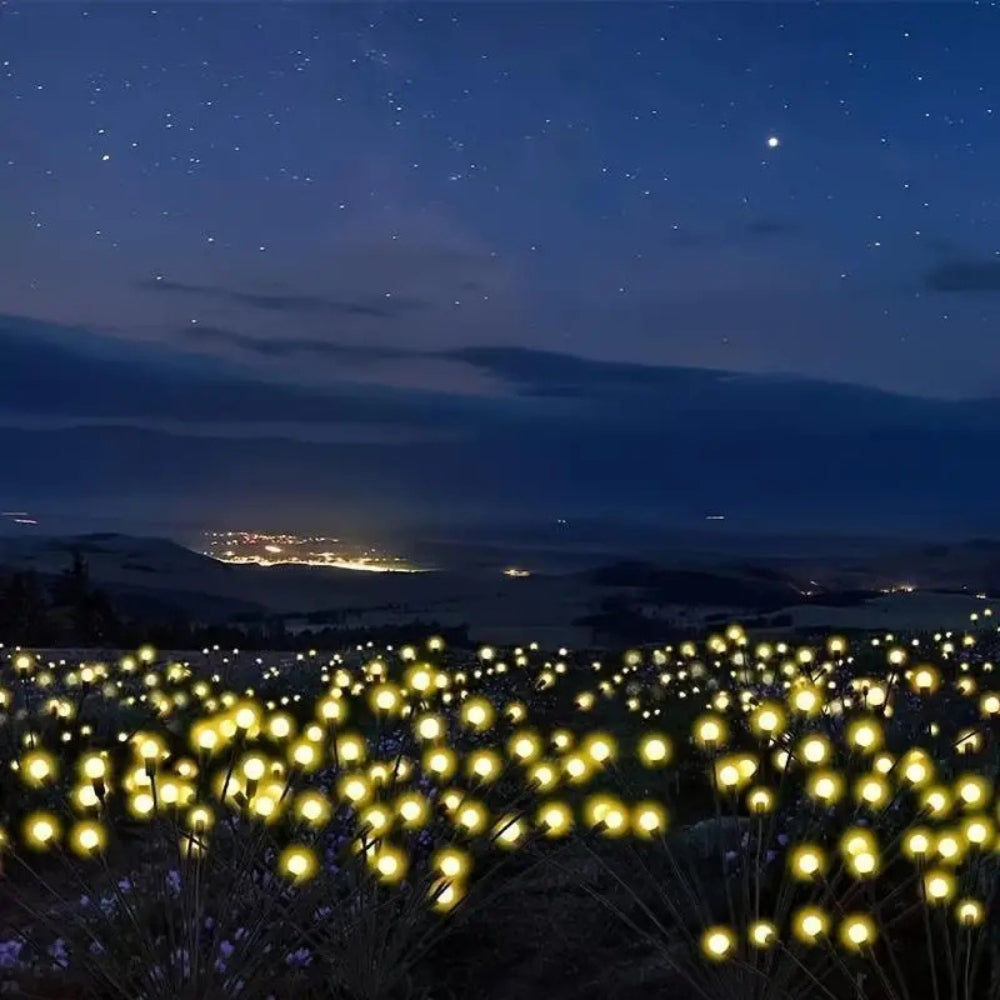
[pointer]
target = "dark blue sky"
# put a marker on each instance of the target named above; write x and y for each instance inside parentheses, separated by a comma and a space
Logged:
(468, 232)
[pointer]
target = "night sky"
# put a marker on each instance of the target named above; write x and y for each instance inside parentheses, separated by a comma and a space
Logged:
(536, 258)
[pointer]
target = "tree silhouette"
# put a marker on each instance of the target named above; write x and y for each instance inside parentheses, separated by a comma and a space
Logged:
(92, 618)
(100, 624)
(68, 610)
(24, 611)
(72, 585)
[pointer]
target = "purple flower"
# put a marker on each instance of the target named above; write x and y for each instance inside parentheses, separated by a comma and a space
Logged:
(174, 881)
(59, 954)
(299, 959)
(10, 952)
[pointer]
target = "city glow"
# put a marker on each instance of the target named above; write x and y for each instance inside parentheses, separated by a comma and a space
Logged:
(262, 549)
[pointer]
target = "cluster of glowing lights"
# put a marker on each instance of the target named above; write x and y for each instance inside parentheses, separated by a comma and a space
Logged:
(776, 732)
(261, 549)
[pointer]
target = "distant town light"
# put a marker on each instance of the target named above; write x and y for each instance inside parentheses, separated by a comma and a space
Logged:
(260, 549)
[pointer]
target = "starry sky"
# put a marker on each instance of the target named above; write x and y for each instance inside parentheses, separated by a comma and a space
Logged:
(552, 252)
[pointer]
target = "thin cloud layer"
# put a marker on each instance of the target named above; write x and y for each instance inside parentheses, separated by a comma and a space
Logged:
(386, 308)
(290, 347)
(47, 376)
(773, 227)
(964, 276)
(44, 373)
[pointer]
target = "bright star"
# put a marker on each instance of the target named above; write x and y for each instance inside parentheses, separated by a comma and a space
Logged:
(773, 142)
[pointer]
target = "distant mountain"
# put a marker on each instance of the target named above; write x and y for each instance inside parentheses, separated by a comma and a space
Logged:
(155, 579)
(144, 563)
(108, 554)
(777, 579)
(745, 587)
(973, 565)
(150, 579)
(160, 570)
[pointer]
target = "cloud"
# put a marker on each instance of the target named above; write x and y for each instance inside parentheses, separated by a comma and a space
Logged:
(667, 400)
(44, 374)
(290, 347)
(772, 227)
(385, 308)
(964, 276)
(686, 238)
(590, 384)
(577, 434)
(547, 373)
(273, 432)
(724, 235)
(527, 371)
(940, 246)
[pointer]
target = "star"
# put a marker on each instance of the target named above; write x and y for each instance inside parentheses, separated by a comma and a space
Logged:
(773, 142)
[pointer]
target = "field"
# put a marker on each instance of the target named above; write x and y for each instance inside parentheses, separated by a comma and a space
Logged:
(903, 612)
(724, 818)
